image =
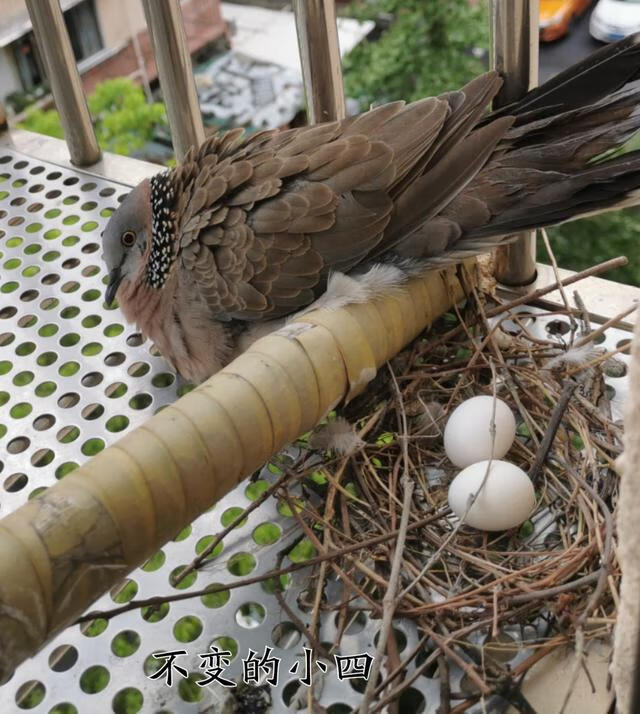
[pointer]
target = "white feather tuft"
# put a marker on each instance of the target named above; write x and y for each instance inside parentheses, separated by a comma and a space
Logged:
(574, 356)
(338, 435)
(342, 290)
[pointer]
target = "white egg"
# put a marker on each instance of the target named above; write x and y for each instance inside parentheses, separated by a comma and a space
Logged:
(467, 437)
(506, 500)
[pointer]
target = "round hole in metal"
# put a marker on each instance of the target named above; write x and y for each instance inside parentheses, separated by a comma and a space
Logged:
(558, 327)
(50, 279)
(94, 679)
(114, 359)
(138, 369)
(30, 694)
(92, 411)
(44, 422)
(15, 482)
(140, 401)
(116, 390)
(250, 615)
(285, 635)
(68, 400)
(91, 379)
(18, 445)
(63, 658)
(188, 628)
(125, 643)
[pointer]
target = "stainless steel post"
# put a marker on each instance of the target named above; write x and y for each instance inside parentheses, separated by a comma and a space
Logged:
(320, 59)
(62, 71)
(515, 28)
(164, 20)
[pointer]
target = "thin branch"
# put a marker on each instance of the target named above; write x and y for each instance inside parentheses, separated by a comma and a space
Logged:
(552, 429)
(330, 555)
(389, 600)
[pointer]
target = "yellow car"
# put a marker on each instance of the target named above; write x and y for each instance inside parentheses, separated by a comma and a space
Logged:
(556, 17)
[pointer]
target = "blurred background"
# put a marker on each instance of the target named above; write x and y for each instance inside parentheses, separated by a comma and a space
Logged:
(246, 67)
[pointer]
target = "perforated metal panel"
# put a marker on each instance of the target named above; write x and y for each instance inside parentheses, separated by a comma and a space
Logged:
(73, 378)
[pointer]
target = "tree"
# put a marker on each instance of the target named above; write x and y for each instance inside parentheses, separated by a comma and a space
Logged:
(430, 47)
(581, 244)
(123, 119)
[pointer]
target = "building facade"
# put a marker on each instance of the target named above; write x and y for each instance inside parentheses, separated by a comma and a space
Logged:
(108, 37)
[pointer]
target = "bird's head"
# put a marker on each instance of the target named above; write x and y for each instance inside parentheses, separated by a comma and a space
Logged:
(125, 238)
(139, 240)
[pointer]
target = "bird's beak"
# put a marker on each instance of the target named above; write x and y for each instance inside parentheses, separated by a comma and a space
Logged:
(115, 278)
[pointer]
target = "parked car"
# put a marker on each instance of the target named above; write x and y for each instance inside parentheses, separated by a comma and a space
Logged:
(612, 20)
(556, 17)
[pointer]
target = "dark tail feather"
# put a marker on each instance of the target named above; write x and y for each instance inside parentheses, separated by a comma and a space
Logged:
(584, 83)
(552, 165)
(556, 162)
(605, 186)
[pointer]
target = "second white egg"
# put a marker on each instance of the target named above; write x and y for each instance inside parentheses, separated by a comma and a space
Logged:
(505, 501)
(467, 435)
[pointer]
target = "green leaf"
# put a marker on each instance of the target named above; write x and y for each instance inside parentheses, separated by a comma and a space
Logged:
(427, 49)
(123, 119)
(526, 529)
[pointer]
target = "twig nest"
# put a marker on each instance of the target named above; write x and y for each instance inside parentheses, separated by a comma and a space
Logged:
(467, 435)
(506, 499)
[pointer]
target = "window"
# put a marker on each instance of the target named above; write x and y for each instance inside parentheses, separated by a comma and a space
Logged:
(84, 33)
(82, 24)
(28, 61)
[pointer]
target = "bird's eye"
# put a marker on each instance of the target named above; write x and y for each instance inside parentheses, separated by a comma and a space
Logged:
(128, 238)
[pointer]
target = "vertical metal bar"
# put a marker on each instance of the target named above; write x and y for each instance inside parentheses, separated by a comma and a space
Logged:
(514, 50)
(320, 59)
(164, 20)
(142, 67)
(62, 71)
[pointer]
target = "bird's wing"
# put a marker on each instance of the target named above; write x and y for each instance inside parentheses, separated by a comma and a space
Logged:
(445, 170)
(263, 222)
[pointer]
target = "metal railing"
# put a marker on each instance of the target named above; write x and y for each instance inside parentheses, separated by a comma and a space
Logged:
(53, 39)
(171, 52)
(320, 59)
(514, 52)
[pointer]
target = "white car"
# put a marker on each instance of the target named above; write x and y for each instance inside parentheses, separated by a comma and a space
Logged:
(612, 20)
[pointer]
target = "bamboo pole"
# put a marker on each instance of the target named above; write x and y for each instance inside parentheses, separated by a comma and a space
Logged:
(65, 548)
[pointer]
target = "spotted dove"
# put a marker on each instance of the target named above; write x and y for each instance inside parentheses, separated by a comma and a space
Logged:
(247, 231)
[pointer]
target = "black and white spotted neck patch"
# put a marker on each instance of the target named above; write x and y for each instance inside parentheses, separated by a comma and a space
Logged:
(162, 230)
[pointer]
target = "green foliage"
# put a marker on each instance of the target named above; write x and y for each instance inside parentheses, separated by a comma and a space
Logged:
(43, 121)
(19, 101)
(584, 243)
(426, 50)
(123, 120)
